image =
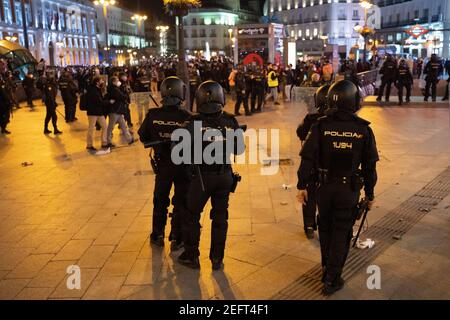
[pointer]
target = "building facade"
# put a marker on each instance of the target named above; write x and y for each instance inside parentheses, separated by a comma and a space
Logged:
(62, 32)
(400, 18)
(313, 24)
(212, 27)
(123, 31)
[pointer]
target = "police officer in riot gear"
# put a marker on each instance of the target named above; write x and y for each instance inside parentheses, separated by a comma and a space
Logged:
(433, 70)
(389, 72)
(342, 147)
(309, 210)
(49, 92)
(404, 80)
(212, 178)
(257, 87)
(241, 92)
(158, 125)
(69, 92)
(5, 106)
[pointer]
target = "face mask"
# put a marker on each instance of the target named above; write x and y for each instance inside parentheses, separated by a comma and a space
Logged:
(118, 84)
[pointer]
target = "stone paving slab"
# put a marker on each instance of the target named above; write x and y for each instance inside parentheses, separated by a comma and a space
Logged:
(72, 208)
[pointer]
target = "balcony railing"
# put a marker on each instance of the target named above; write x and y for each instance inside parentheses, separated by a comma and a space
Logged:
(342, 17)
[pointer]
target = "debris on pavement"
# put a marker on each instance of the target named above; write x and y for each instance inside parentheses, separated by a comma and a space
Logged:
(368, 243)
(27, 164)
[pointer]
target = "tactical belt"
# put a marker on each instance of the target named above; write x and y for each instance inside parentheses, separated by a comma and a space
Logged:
(340, 179)
(215, 169)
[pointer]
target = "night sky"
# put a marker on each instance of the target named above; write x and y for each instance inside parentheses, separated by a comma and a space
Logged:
(151, 6)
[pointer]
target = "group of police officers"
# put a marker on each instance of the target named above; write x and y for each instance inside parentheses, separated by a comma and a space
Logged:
(400, 75)
(338, 155)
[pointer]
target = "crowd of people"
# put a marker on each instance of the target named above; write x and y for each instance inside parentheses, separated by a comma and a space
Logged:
(251, 86)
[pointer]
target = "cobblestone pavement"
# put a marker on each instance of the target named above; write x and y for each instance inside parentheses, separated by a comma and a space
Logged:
(73, 208)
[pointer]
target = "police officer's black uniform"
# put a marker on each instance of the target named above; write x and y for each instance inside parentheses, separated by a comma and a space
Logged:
(210, 181)
(158, 125)
(5, 106)
(69, 92)
(50, 89)
(258, 87)
(433, 70)
(342, 147)
(389, 72)
(404, 80)
(241, 93)
(194, 82)
(309, 210)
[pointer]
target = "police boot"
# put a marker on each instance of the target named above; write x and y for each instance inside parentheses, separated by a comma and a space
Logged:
(331, 287)
(56, 131)
(4, 131)
(157, 240)
(217, 264)
(189, 261)
(46, 131)
(400, 102)
(309, 231)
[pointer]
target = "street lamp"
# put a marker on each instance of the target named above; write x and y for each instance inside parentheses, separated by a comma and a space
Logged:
(365, 31)
(60, 45)
(11, 38)
(180, 9)
(139, 18)
(105, 4)
(324, 39)
(230, 31)
(163, 38)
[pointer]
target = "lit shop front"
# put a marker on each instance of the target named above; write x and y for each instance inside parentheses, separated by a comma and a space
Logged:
(260, 43)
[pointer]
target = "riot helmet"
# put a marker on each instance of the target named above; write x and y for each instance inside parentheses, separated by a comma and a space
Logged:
(320, 98)
(173, 91)
(210, 97)
(343, 96)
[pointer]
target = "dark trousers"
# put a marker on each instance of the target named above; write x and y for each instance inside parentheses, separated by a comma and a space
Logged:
(309, 210)
(400, 91)
(387, 84)
(241, 98)
(430, 84)
(51, 115)
(257, 95)
(29, 95)
(70, 108)
(337, 208)
(217, 188)
(169, 175)
(4, 119)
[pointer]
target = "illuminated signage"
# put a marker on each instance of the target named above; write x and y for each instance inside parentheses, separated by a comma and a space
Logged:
(417, 31)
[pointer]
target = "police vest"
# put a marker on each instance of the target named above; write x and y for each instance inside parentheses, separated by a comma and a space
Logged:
(270, 82)
(341, 146)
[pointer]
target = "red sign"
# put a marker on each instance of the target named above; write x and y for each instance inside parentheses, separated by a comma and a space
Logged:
(417, 31)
